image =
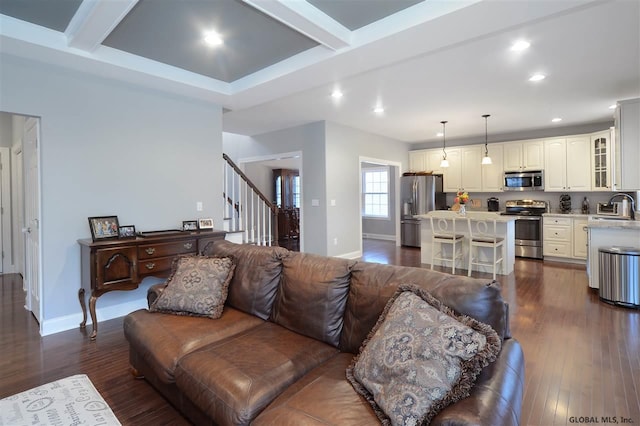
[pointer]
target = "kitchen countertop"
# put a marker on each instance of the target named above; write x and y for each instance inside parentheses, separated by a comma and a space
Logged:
(613, 223)
(574, 215)
(473, 215)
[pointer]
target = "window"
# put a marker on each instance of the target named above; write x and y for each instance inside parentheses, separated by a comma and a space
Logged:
(375, 192)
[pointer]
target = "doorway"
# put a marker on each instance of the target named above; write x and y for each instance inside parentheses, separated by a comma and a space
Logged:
(24, 245)
(279, 178)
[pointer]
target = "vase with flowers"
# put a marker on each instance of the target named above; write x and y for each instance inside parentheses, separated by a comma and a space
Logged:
(462, 198)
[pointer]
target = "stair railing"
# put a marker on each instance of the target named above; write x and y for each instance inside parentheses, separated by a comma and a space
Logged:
(246, 208)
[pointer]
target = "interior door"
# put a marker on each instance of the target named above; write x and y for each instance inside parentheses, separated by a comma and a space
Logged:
(32, 216)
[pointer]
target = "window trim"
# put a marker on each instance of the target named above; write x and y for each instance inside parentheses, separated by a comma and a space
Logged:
(381, 168)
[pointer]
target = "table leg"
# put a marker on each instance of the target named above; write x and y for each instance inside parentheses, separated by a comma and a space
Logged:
(92, 311)
(83, 305)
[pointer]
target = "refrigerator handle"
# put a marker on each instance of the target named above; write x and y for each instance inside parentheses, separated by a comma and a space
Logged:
(415, 197)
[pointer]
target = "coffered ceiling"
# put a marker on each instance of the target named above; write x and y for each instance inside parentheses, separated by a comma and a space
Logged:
(423, 61)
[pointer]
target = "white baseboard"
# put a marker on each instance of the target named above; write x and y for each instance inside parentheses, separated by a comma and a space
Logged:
(69, 322)
(352, 255)
(379, 237)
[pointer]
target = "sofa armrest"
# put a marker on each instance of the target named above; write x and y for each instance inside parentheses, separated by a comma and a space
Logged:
(496, 398)
(154, 291)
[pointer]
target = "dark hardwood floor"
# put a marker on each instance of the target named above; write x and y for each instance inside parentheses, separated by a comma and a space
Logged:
(582, 355)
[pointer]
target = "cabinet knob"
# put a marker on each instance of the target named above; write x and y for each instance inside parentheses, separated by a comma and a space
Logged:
(150, 250)
(150, 265)
(188, 245)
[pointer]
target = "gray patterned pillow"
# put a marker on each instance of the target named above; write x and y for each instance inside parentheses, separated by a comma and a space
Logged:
(420, 357)
(198, 286)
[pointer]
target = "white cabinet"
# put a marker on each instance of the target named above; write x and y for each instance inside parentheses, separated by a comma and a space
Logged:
(471, 173)
(580, 239)
(627, 145)
(555, 176)
(493, 174)
(520, 156)
(567, 164)
(425, 160)
(601, 161)
(579, 163)
(565, 237)
(465, 169)
(417, 160)
(452, 180)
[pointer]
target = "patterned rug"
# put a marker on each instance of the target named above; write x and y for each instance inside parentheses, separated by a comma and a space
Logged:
(70, 401)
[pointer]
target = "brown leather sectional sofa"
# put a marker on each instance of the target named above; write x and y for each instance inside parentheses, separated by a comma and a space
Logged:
(291, 325)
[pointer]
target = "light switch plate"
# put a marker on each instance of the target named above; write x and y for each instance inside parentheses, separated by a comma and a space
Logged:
(315, 203)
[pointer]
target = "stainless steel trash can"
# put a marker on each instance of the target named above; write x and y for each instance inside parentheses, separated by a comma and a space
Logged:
(620, 275)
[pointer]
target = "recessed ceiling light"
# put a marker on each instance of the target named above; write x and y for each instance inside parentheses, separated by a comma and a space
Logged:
(378, 110)
(439, 134)
(556, 120)
(212, 38)
(336, 94)
(520, 45)
(614, 106)
(537, 77)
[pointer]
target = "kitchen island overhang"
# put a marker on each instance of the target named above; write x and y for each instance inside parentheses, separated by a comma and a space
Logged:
(505, 228)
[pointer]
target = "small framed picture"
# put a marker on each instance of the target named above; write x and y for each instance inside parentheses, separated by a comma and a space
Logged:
(189, 225)
(127, 231)
(103, 227)
(205, 223)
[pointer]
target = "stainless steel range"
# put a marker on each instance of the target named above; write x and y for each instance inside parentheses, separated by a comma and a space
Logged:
(528, 226)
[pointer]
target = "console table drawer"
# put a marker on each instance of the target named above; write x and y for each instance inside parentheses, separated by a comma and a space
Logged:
(151, 251)
(157, 267)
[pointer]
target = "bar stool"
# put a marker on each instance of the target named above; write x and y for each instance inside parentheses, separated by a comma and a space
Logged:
(483, 233)
(443, 232)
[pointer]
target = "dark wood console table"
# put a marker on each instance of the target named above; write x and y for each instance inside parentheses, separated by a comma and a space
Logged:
(121, 264)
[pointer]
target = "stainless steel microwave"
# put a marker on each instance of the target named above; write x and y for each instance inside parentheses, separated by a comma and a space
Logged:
(524, 181)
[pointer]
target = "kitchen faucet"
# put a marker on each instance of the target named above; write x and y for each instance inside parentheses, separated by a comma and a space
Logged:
(633, 204)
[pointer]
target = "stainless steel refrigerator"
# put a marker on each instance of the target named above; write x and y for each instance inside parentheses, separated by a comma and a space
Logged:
(420, 194)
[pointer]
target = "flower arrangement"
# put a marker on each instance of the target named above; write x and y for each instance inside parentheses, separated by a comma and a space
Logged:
(461, 198)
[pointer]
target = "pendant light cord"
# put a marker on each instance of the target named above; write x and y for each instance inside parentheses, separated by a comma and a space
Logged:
(444, 140)
(486, 149)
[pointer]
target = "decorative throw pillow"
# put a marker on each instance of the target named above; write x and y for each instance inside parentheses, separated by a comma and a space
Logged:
(198, 286)
(420, 357)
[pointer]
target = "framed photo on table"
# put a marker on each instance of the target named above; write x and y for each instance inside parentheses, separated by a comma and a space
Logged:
(205, 223)
(189, 225)
(104, 227)
(127, 231)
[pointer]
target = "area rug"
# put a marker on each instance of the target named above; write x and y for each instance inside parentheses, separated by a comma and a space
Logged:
(70, 401)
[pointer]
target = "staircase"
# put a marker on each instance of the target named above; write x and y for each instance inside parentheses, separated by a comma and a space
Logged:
(249, 217)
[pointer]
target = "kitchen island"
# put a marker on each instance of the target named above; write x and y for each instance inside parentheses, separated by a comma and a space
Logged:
(609, 233)
(505, 229)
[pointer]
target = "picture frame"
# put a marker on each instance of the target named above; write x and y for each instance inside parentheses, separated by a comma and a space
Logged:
(206, 223)
(189, 225)
(127, 231)
(104, 227)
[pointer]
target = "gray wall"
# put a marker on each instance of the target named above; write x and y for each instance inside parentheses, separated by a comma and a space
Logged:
(262, 178)
(383, 228)
(110, 148)
(345, 147)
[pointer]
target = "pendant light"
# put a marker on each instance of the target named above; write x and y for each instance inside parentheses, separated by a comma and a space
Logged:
(444, 162)
(486, 160)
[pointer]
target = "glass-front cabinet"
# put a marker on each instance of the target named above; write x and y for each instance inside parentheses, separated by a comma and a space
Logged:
(601, 161)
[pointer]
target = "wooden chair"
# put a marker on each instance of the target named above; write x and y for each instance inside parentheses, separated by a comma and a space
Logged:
(483, 233)
(443, 233)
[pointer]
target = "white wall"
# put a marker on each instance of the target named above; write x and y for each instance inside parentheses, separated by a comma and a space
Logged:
(310, 140)
(110, 148)
(345, 146)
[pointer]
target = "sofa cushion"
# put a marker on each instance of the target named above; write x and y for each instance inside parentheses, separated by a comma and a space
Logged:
(234, 380)
(372, 285)
(420, 357)
(322, 397)
(162, 339)
(312, 296)
(197, 287)
(255, 280)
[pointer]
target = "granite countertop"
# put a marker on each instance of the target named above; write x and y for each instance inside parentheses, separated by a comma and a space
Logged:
(473, 215)
(572, 214)
(613, 224)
